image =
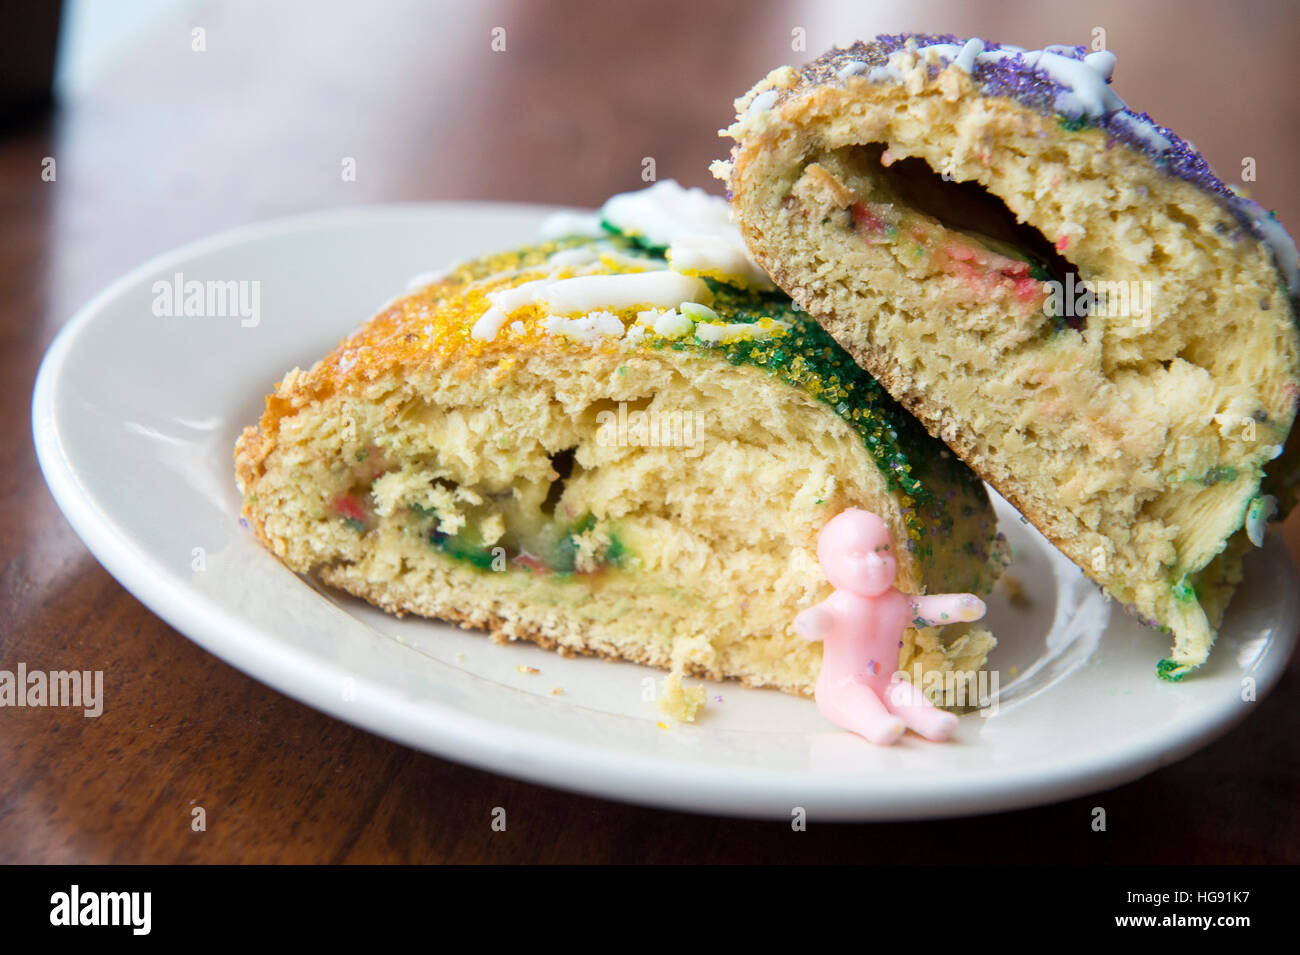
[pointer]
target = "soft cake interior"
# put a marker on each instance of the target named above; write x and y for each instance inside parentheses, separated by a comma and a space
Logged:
(599, 502)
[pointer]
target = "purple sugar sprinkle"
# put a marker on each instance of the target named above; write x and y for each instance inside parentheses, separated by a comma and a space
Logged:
(1013, 78)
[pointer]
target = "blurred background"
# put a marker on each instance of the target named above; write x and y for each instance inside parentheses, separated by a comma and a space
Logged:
(174, 119)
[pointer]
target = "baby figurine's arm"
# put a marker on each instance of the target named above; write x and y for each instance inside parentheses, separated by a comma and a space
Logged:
(815, 623)
(941, 609)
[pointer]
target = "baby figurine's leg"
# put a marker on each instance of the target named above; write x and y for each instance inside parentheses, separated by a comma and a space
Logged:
(918, 712)
(855, 706)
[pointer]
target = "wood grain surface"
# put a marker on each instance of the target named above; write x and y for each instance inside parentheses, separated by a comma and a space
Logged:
(169, 145)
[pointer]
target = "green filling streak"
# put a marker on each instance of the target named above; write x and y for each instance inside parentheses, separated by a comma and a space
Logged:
(1219, 474)
(615, 552)
(559, 557)
(462, 547)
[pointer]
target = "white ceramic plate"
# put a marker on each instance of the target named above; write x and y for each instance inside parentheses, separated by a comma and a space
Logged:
(135, 417)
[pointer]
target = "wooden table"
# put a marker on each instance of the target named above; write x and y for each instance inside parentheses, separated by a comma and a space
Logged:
(174, 144)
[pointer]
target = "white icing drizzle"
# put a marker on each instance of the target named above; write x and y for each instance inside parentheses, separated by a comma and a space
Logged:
(1145, 131)
(588, 328)
(716, 257)
(624, 290)
(1086, 90)
(489, 324)
(573, 258)
(558, 225)
(504, 303)
(1087, 93)
(590, 258)
(762, 103)
(699, 313)
(667, 324)
(694, 226)
(764, 328)
(1258, 512)
(665, 211)
(1103, 61)
(588, 294)
(851, 68)
(1276, 238)
(638, 263)
(514, 298)
(965, 59)
(946, 51)
(696, 230)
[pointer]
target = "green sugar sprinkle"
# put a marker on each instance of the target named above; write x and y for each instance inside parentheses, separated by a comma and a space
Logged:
(807, 357)
(1183, 591)
(1171, 670)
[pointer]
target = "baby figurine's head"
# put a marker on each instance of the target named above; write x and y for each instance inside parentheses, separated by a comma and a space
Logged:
(856, 553)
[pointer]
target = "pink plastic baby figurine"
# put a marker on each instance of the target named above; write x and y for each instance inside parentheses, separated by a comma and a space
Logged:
(862, 624)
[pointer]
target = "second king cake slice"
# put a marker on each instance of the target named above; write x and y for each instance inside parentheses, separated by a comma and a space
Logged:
(1056, 286)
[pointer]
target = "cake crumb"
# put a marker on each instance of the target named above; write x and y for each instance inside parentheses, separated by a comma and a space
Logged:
(492, 529)
(1015, 591)
(529, 671)
(678, 701)
(557, 691)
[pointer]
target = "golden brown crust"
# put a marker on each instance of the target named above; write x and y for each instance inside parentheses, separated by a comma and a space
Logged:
(423, 331)
(504, 631)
